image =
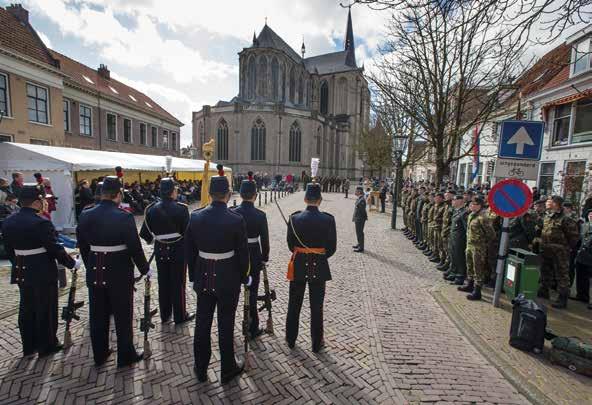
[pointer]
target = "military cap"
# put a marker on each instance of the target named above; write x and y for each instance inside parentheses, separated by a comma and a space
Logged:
(32, 191)
(99, 188)
(248, 186)
(478, 200)
(219, 184)
(450, 191)
(439, 194)
(432, 194)
(111, 184)
(541, 201)
(459, 197)
(167, 186)
(557, 199)
(313, 192)
(568, 204)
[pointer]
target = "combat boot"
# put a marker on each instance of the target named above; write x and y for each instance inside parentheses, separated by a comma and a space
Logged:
(434, 258)
(475, 295)
(459, 281)
(442, 265)
(543, 293)
(561, 302)
(451, 277)
(427, 252)
(467, 287)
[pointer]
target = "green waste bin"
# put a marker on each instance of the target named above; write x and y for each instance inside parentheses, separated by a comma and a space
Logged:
(522, 273)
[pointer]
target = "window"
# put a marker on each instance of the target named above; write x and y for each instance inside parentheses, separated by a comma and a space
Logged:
(324, 98)
(582, 131)
(5, 138)
(318, 149)
(301, 90)
(462, 174)
(574, 182)
(4, 104)
(342, 97)
(43, 142)
(251, 78)
(142, 133)
(546, 178)
(561, 124)
(66, 116)
(127, 130)
(202, 134)
(174, 141)
(165, 139)
(37, 103)
(111, 127)
(295, 143)
(258, 140)
(154, 136)
(222, 140)
(292, 85)
(283, 83)
(85, 120)
(262, 70)
(274, 78)
(581, 56)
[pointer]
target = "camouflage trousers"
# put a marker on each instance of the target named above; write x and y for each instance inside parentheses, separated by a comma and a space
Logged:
(424, 231)
(555, 267)
(437, 236)
(444, 252)
(477, 264)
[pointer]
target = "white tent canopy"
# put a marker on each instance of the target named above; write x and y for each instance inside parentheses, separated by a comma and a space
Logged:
(59, 164)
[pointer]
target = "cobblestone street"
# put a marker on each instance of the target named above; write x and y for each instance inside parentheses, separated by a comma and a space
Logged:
(388, 340)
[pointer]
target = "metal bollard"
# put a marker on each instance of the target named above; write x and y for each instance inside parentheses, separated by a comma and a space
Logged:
(265, 197)
(260, 199)
(234, 203)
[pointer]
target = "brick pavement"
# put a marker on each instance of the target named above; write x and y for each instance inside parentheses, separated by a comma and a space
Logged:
(388, 342)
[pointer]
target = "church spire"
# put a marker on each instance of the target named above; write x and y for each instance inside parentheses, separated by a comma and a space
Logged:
(350, 59)
(255, 41)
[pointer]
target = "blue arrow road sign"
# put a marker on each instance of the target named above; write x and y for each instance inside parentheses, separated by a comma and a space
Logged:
(521, 140)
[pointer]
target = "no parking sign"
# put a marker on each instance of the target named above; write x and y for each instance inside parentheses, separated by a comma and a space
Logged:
(510, 198)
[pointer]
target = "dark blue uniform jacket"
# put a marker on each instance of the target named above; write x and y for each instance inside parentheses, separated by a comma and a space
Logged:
(256, 227)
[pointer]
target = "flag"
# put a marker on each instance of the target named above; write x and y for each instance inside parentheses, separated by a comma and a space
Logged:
(475, 153)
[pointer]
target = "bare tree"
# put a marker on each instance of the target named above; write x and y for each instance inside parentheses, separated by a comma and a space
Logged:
(374, 149)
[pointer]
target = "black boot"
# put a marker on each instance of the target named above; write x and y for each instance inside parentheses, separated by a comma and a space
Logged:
(467, 287)
(543, 293)
(427, 252)
(475, 295)
(434, 259)
(451, 277)
(459, 281)
(561, 302)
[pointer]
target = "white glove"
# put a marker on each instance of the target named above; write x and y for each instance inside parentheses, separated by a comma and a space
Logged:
(249, 281)
(77, 263)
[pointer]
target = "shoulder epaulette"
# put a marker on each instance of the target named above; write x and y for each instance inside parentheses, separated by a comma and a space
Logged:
(88, 207)
(183, 204)
(197, 209)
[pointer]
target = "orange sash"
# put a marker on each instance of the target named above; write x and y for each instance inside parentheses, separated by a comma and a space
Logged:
(298, 249)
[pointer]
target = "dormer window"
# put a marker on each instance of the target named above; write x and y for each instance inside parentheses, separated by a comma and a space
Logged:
(580, 57)
(113, 90)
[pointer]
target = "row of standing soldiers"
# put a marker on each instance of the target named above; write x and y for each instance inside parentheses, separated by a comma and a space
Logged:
(332, 184)
(457, 230)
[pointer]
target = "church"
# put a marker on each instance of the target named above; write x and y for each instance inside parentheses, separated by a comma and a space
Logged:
(289, 109)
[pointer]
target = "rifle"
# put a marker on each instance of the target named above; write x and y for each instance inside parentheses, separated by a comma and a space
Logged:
(146, 322)
(69, 311)
(246, 324)
(267, 299)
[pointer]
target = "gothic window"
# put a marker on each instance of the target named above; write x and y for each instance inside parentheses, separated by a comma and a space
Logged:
(258, 140)
(324, 98)
(274, 78)
(318, 148)
(295, 143)
(201, 133)
(292, 85)
(252, 78)
(222, 140)
(342, 95)
(301, 90)
(283, 83)
(262, 76)
(308, 92)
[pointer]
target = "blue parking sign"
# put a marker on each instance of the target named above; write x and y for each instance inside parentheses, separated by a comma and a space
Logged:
(521, 139)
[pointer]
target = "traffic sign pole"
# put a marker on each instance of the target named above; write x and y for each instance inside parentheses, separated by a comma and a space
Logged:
(501, 260)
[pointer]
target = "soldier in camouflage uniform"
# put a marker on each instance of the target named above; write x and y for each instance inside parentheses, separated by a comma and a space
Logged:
(558, 237)
(405, 208)
(438, 218)
(419, 204)
(457, 243)
(479, 231)
(493, 246)
(537, 214)
(411, 207)
(428, 203)
(446, 217)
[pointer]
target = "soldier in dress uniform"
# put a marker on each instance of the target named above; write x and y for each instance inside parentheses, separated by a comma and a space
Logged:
(165, 223)
(258, 238)
(359, 219)
(312, 238)
(110, 248)
(216, 247)
(33, 249)
(458, 241)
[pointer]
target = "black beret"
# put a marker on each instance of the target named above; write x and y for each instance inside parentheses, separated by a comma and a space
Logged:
(32, 191)
(541, 201)
(167, 186)
(478, 200)
(360, 188)
(459, 197)
(219, 184)
(557, 199)
(313, 192)
(111, 184)
(440, 194)
(568, 204)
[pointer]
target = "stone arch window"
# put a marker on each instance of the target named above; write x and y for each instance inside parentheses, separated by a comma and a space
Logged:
(318, 141)
(342, 91)
(324, 97)
(258, 140)
(262, 76)
(301, 89)
(251, 78)
(308, 92)
(295, 147)
(222, 140)
(292, 85)
(275, 77)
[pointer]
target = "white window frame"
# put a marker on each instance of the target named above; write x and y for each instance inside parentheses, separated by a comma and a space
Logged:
(107, 126)
(587, 55)
(69, 129)
(80, 105)
(8, 112)
(47, 107)
(572, 124)
(145, 133)
(131, 140)
(153, 145)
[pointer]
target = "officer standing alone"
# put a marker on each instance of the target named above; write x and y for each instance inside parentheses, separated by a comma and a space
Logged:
(165, 223)
(33, 249)
(110, 247)
(359, 218)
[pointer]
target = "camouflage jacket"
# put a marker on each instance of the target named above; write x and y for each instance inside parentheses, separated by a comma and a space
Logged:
(425, 210)
(447, 218)
(431, 215)
(439, 214)
(479, 229)
(559, 230)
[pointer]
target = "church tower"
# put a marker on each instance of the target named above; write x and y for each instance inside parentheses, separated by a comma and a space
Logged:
(350, 59)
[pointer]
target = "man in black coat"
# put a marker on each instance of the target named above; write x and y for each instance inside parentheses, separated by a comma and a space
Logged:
(312, 239)
(457, 241)
(258, 239)
(164, 224)
(110, 247)
(382, 195)
(33, 249)
(217, 252)
(359, 219)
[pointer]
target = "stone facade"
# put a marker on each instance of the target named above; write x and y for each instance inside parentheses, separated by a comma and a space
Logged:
(288, 110)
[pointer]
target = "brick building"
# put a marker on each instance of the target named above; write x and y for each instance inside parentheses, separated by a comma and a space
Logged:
(48, 98)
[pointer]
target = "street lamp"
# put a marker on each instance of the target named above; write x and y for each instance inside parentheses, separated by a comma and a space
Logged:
(399, 146)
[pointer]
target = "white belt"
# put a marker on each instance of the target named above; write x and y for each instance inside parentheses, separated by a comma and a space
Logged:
(108, 249)
(216, 256)
(30, 252)
(253, 240)
(168, 236)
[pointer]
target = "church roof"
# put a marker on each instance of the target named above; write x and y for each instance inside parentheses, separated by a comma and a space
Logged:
(269, 39)
(330, 63)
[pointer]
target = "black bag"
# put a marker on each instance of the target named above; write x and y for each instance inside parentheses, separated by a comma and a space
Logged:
(529, 320)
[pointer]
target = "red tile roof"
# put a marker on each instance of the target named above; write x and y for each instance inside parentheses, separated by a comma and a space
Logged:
(123, 93)
(22, 38)
(545, 70)
(559, 78)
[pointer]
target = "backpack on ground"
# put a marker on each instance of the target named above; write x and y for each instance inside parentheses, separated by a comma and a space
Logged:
(529, 320)
(573, 353)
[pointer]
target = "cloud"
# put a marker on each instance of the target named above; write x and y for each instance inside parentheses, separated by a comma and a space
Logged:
(45, 39)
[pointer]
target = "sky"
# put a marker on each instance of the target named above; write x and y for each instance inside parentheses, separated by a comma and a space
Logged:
(184, 53)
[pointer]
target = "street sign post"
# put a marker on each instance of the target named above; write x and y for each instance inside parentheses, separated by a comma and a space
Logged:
(509, 198)
(521, 139)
